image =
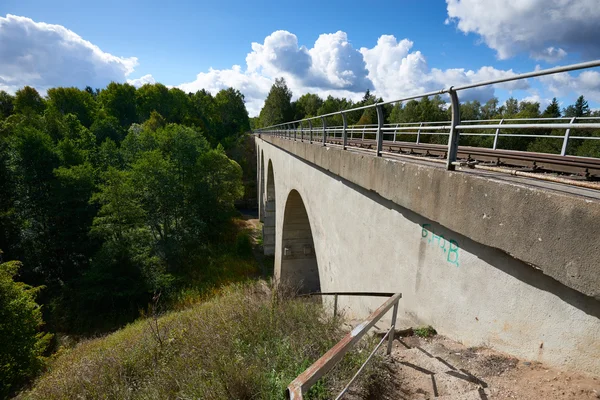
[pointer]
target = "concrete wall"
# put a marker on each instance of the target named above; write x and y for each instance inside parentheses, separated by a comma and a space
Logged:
(468, 290)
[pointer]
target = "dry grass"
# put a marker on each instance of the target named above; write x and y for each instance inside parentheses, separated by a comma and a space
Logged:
(249, 342)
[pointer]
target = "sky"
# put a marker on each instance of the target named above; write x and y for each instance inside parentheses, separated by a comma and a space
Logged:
(393, 48)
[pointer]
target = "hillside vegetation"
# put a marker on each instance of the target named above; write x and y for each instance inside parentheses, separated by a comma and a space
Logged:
(248, 343)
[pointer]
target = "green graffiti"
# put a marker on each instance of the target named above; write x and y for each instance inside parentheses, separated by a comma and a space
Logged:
(440, 242)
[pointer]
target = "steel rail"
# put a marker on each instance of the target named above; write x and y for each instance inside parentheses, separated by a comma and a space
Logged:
(541, 161)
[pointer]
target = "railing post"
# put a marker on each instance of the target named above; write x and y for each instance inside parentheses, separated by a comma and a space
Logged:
(363, 133)
(379, 129)
(335, 305)
(454, 135)
(310, 131)
(563, 151)
(344, 131)
(496, 136)
(392, 328)
(324, 127)
(301, 132)
(419, 133)
(295, 130)
(395, 130)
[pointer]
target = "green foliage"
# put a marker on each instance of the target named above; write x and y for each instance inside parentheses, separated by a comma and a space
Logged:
(247, 343)
(424, 331)
(6, 104)
(579, 109)
(103, 210)
(278, 107)
(73, 101)
(119, 100)
(553, 109)
(307, 106)
(28, 100)
(23, 345)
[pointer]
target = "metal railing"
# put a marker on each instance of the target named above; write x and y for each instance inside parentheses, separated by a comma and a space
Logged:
(453, 128)
(299, 386)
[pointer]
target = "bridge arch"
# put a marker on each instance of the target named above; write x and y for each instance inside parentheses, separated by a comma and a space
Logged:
(270, 213)
(298, 266)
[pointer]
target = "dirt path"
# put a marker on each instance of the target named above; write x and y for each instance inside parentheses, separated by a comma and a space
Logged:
(438, 368)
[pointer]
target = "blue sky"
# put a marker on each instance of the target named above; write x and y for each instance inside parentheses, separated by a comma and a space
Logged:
(173, 42)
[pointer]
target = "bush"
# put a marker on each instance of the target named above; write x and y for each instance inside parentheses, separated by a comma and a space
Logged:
(22, 344)
(248, 343)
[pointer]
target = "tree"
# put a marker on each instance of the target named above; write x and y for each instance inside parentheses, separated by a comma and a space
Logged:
(278, 107)
(179, 106)
(553, 109)
(153, 97)
(73, 101)
(307, 106)
(579, 109)
(23, 344)
(119, 100)
(6, 104)
(490, 109)
(510, 108)
(28, 100)
(233, 116)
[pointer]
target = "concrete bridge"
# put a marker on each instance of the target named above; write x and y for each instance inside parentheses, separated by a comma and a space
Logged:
(486, 258)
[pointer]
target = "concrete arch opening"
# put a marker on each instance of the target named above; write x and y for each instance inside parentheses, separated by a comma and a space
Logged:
(269, 212)
(261, 188)
(299, 266)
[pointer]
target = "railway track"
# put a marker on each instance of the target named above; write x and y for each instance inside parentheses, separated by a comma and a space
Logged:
(577, 167)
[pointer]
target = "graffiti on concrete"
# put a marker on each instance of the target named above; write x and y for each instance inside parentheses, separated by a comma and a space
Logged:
(449, 247)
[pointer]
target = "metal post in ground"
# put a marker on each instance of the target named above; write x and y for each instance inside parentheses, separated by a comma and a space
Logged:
(335, 305)
(392, 328)
(324, 127)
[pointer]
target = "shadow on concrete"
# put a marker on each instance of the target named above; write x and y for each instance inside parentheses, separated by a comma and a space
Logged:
(492, 256)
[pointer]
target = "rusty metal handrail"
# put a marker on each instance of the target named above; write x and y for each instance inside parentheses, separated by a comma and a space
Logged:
(299, 386)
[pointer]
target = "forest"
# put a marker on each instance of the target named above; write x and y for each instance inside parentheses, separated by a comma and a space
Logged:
(109, 198)
(280, 108)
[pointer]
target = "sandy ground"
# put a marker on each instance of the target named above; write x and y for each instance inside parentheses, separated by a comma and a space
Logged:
(440, 368)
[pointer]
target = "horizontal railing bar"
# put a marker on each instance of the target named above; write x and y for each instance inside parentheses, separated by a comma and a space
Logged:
(531, 126)
(372, 294)
(534, 74)
(320, 367)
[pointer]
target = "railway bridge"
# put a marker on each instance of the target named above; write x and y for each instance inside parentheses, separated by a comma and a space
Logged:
(484, 254)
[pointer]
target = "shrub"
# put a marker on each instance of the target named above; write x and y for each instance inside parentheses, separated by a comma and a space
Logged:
(248, 343)
(23, 345)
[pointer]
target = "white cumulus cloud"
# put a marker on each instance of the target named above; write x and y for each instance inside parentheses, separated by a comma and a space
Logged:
(397, 72)
(546, 29)
(45, 55)
(587, 83)
(138, 82)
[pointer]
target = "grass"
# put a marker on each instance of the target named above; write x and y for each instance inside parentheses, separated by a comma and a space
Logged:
(424, 331)
(248, 342)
